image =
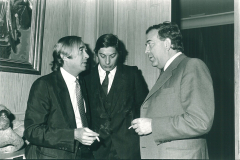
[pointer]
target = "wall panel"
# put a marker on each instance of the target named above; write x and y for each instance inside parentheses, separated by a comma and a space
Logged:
(90, 32)
(131, 20)
(84, 21)
(56, 26)
(105, 16)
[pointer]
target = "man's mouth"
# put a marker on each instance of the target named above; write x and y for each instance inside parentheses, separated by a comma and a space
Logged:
(151, 59)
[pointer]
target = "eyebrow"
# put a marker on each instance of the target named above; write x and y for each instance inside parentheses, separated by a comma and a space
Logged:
(148, 41)
(113, 54)
(82, 47)
(106, 55)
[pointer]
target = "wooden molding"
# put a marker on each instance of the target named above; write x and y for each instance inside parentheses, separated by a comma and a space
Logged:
(208, 20)
(237, 76)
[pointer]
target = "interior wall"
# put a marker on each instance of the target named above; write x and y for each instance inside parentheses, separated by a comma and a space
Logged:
(132, 18)
(105, 17)
(62, 18)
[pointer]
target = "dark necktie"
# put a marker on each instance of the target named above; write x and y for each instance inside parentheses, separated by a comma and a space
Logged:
(105, 83)
(81, 104)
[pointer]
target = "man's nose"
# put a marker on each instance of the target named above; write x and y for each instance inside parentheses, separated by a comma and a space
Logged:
(107, 60)
(147, 50)
(86, 56)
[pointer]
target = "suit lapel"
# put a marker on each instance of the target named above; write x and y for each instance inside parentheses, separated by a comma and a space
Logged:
(117, 86)
(65, 100)
(115, 91)
(165, 76)
(95, 91)
(83, 89)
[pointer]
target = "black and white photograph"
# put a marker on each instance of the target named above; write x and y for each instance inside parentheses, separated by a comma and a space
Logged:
(120, 79)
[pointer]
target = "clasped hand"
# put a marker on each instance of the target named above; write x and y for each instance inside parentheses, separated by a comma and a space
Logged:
(85, 135)
(142, 126)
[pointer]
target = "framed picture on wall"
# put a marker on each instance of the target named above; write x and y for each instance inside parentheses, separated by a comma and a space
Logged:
(21, 35)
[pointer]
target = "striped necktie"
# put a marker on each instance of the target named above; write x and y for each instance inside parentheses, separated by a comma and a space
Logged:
(81, 104)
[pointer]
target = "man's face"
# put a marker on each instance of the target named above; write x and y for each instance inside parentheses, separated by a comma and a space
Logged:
(156, 50)
(78, 62)
(107, 58)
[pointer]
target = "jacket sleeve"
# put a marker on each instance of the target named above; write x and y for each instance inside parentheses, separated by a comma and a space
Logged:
(38, 130)
(197, 100)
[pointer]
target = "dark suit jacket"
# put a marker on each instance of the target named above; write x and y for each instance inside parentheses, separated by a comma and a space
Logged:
(50, 120)
(181, 106)
(127, 93)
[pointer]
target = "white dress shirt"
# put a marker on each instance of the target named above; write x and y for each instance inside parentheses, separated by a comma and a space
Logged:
(102, 75)
(70, 81)
(171, 60)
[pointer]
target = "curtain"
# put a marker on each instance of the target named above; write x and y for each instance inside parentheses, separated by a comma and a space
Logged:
(215, 46)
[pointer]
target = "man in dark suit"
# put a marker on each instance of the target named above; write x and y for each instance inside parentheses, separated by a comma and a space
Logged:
(179, 109)
(57, 115)
(116, 92)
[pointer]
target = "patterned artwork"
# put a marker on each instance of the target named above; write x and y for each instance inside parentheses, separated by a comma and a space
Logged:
(15, 25)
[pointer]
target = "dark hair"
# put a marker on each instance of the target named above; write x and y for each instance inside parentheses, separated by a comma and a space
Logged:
(169, 30)
(108, 40)
(64, 47)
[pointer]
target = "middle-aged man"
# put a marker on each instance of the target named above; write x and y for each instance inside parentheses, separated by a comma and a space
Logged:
(116, 92)
(179, 109)
(57, 114)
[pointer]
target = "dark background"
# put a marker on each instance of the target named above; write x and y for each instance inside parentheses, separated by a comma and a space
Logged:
(215, 46)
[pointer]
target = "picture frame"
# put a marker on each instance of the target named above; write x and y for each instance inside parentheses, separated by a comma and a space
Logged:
(31, 64)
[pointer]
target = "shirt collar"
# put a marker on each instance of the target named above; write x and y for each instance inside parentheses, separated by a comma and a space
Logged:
(103, 72)
(67, 76)
(171, 60)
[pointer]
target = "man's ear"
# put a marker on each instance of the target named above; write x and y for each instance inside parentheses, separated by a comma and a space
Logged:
(167, 43)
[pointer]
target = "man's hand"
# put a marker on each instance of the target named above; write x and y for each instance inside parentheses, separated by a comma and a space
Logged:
(85, 135)
(142, 126)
